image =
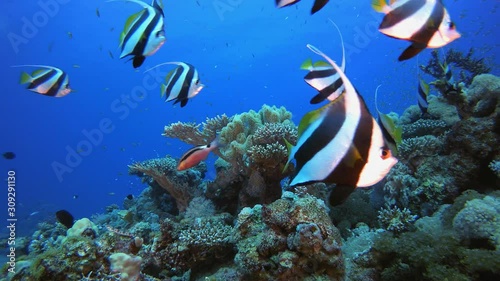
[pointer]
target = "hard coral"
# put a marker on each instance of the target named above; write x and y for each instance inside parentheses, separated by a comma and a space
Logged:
(289, 239)
(182, 186)
(394, 219)
(479, 221)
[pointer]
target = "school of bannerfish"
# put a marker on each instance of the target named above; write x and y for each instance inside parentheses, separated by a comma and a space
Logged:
(341, 142)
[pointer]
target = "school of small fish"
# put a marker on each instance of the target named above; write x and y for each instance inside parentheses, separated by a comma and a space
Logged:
(339, 143)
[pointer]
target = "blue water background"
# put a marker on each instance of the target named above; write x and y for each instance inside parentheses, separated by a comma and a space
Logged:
(248, 54)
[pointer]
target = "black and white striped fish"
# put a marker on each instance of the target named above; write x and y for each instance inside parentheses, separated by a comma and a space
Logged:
(181, 83)
(48, 80)
(196, 154)
(422, 94)
(323, 77)
(425, 23)
(144, 32)
(318, 4)
(340, 143)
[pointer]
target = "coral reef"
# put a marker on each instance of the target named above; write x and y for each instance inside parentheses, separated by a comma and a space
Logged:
(447, 152)
(435, 217)
(395, 219)
(292, 238)
(470, 67)
(182, 186)
(252, 154)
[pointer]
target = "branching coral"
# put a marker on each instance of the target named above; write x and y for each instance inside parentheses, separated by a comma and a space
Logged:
(423, 127)
(470, 66)
(182, 186)
(190, 133)
(394, 219)
(251, 156)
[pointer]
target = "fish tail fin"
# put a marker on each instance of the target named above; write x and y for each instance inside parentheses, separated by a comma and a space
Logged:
(25, 78)
(216, 142)
(379, 5)
(163, 89)
(307, 64)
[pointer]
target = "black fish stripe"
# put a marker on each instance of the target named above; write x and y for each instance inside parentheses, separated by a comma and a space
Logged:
(431, 26)
(332, 87)
(173, 81)
(191, 151)
(141, 45)
(326, 92)
(324, 133)
(54, 89)
(362, 141)
(318, 5)
(186, 84)
(317, 74)
(42, 79)
(135, 28)
(401, 13)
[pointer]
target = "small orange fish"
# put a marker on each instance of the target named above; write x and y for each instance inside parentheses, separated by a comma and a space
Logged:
(196, 154)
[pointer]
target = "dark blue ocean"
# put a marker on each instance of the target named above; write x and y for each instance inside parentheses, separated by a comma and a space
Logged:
(247, 52)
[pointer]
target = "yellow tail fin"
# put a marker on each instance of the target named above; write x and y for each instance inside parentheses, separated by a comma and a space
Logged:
(25, 78)
(379, 5)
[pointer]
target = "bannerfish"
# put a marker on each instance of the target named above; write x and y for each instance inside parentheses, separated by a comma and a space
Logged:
(9, 155)
(144, 32)
(181, 83)
(65, 218)
(318, 4)
(340, 143)
(392, 133)
(48, 80)
(323, 77)
(196, 154)
(448, 75)
(425, 23)
(422, 94)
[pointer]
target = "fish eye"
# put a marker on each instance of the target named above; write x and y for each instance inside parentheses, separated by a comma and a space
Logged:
(160, 33)
(385, 153)
(451, 25)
